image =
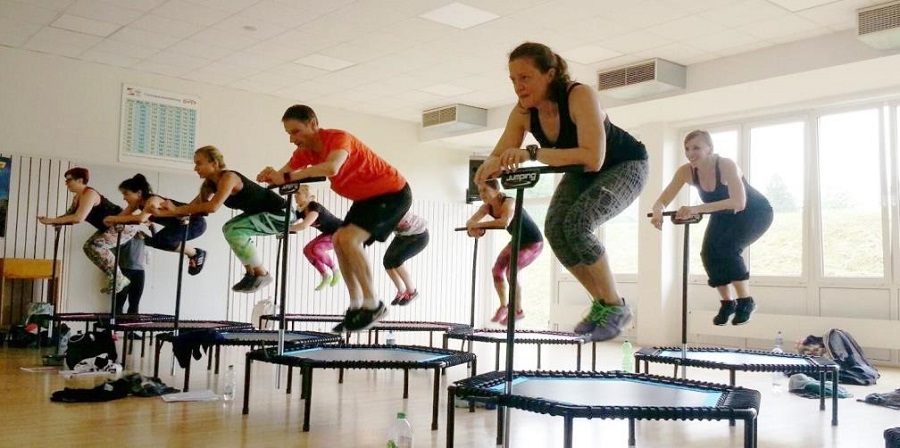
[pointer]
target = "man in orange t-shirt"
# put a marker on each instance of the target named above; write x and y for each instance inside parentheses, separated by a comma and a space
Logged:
(380, 195)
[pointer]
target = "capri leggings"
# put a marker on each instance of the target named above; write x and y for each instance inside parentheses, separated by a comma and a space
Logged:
(403, 248)
(583, 202)
(527, 254)
(169, 237)
(240, 230)
(99, 247)
(316, 251)
(725, 239)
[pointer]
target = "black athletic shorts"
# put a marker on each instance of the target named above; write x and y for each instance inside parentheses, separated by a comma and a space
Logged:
(380, 215)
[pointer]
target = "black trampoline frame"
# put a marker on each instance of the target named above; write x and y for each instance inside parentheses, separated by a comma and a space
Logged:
(449, 358)
(159, 326)
(816, 365)
(317, 339)
(469, 335)
(737, 403)
(431, 327)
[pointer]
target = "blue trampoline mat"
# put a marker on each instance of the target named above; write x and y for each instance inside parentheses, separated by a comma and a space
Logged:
(385, 354)
(737, 358)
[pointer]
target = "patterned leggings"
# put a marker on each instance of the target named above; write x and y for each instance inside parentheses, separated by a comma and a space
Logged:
(99, 247)
(240, 230)
(316, 251)
(583, 202)
(527, 254)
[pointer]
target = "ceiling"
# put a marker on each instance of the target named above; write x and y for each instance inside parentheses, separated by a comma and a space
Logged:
(383, 57)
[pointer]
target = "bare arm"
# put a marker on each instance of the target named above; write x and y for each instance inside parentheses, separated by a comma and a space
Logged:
(682, 176)
(330, 167)
(507, 211)
(157, 206)
(128, 216)
(513, 136)
(86, 201)
(309, 218)
(227, 185)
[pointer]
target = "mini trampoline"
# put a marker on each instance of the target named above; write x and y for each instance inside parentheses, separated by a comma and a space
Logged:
(293, 318)
(732, 359)
(103, 318)
(358, 357)
(539, 338)
(153, 326)
(193, 340)
(608, 395)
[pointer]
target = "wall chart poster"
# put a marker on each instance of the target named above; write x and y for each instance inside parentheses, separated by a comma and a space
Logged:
(5, 170)
(157, 126)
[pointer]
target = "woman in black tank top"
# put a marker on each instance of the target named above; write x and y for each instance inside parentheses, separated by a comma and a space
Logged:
(500, 207)
(739, 215)
(263, 213)
(90, 206)
(566, 119)
(145, 207)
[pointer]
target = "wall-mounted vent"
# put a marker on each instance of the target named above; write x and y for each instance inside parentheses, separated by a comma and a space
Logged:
(457, 117)
(641, 79)
(879, 26)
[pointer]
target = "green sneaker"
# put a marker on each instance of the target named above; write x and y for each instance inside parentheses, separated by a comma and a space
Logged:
(335, 277)
(609, 320)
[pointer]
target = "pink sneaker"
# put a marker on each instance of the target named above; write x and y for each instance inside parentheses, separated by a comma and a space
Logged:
(519, 316)
(500, 314)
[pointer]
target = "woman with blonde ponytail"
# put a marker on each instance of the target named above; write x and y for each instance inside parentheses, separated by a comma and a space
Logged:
(263, 212)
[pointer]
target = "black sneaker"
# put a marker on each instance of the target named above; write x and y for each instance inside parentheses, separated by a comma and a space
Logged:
(245, 282)
(341, 326)
(364, 318)
(197, 261)
(398, 298)
(743, 310)
(726, 309)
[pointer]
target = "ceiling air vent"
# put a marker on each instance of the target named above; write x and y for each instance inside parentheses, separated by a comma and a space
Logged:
(457, 117)
(879, 26)
(642, 79)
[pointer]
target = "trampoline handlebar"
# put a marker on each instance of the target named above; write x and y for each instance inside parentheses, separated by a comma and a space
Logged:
(305, 180)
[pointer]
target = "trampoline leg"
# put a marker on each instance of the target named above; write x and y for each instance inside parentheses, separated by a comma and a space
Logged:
(497, 356)
(750, 433)
(731, 378)
(218, 357)
(436, 398)
(431, 339)
(822, 391)
(675, 371)
(143, 336)
(124, 348)
(451, 416)
(340, 376)
(567, 432)
(247, 363)
(500, 412)
(307, 373)
(187, 376)
(290, 380)
(578, 357)
(539, 356)
(158, 345)
(631, 439)
(834, 397)
(405, 384)
(446, 342)
(594, 356)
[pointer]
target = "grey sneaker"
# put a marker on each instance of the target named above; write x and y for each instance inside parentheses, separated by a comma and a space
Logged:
(610, 320)
(259, 282)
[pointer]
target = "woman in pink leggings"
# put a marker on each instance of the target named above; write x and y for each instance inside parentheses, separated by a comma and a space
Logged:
(501, 208)
(312, 214)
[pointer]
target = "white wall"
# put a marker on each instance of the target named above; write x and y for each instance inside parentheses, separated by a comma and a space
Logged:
(54, 106)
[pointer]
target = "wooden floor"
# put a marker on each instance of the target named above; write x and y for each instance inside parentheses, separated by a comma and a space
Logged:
(358, 413)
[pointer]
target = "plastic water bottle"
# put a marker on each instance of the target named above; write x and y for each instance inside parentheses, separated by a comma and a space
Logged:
(778, 377)
(627, 356)
(230, 384)
(390, 339)
(400, 435)
(63, 346)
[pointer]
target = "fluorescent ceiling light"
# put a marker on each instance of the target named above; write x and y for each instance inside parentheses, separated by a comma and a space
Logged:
(459, 16)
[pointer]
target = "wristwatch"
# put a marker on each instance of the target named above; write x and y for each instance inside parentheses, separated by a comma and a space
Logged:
(532, 151)
(287, 177)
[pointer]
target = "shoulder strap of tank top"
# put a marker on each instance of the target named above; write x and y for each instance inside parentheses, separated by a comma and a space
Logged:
(718, 173)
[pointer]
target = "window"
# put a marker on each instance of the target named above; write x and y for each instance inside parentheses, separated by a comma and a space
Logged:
(776, 171)
(850, 194)
(620, 236)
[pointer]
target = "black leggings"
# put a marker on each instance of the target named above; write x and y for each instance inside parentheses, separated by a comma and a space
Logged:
(132, 293)
(726, 237)
(403, 248)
